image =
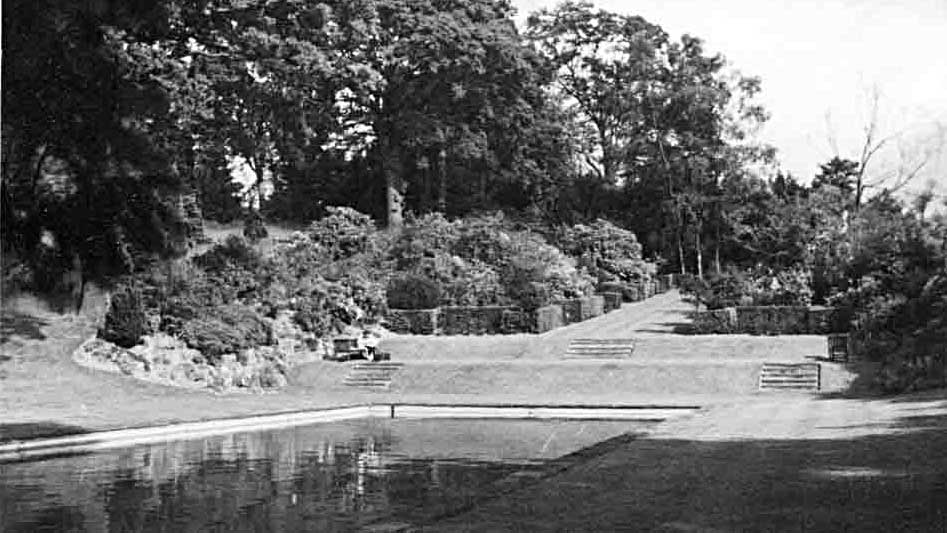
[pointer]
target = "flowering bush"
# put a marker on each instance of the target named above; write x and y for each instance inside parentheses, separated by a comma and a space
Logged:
(609, 252)
(484, 261)
(786, 287)
(734, 287)
(343, 233)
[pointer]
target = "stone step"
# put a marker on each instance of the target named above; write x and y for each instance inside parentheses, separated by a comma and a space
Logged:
(623, 342)
(369, 375)
(377, 366)
(776, 382)
(788, 376)
(600, 348)
(359, 381)
(786, 372)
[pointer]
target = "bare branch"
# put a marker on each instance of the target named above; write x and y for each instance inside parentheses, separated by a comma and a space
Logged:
(830, 133)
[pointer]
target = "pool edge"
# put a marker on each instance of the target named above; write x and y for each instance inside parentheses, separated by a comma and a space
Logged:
(36, 448)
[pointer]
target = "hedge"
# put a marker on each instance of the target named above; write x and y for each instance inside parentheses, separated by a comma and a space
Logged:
(414, 321)
(490, 320)
(612, 300)
(822, 320)
(763, 320)
(516, 320)
(479, 320)
(549, 317)
(578, 309)
(716, 321)
(596, 305)
(633, 293)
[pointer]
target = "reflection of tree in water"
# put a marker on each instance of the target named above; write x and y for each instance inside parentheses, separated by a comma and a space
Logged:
(55, 518)
(265, 481)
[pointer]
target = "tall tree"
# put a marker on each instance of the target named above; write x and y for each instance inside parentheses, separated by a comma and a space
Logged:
(458, 91)
(82, 179)
(608, 67)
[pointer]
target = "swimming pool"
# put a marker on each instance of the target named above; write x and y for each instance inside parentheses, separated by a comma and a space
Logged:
(374, 473)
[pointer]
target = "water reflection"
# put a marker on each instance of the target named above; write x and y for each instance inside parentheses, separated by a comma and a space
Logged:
(330, 477)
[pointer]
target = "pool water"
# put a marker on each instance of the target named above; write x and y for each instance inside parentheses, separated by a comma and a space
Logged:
(370, 474)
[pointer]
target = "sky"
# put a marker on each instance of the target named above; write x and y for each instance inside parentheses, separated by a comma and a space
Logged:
(824, 58)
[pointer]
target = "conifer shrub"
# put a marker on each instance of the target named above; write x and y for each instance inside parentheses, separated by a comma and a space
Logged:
(125, 322)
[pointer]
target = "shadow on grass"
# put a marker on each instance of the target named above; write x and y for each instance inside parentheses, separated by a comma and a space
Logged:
(892, 479)
(37, 430)
(678, 328)
(15, 324)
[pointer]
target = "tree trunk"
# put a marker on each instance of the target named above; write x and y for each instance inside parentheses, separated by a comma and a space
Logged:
(700, 255)
(442, 181)
(78, 292)
(680, 251)
(394, 187)
(391, 168)
(717, 251)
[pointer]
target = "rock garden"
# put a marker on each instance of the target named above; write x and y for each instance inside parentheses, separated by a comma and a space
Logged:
(238, 316)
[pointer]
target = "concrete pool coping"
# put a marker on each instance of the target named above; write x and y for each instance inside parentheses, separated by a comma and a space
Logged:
(38, 448)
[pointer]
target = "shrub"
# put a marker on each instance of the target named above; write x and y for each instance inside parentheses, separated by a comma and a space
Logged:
(125, 322)
(531, 260)
(473, 283)
(342, 233)
(424, 239)
(530, 295)
(727, 289)
(312, 315)
(786, 287)
(253, 227)
(234, 252)
(609, 252)
(412, 292)
(197, 296)
(213, 337)
(229, 329)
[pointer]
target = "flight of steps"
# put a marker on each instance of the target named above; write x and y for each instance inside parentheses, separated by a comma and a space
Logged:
(787, 376)
(600, 348)
(374, 376)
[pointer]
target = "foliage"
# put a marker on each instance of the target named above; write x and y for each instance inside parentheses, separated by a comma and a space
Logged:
(228, 330)
(234, 252)
(125, 322)
(254, 229)
(413, 292)
(734, 287)
(609, 252)
(342, 233)
(785, 287)
(726, 289)
(79, 164)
